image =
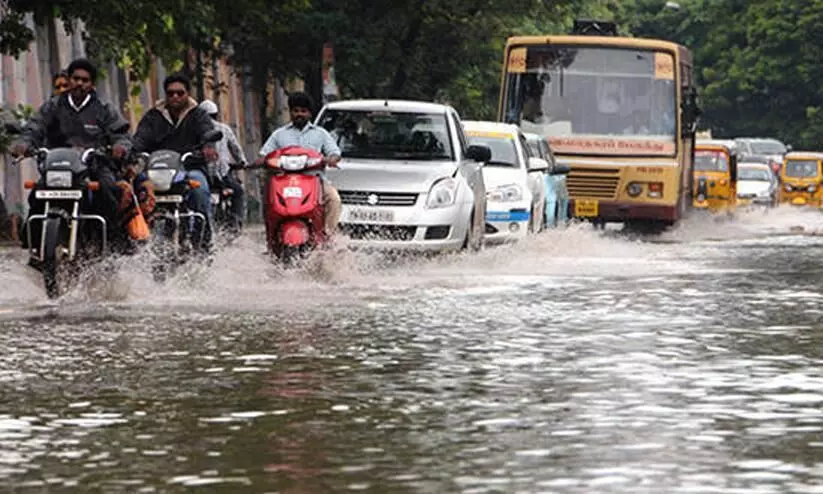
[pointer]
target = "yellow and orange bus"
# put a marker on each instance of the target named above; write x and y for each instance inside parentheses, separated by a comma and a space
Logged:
(620, 111)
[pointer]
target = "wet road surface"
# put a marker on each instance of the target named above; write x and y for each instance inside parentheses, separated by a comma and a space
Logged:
(579, 361)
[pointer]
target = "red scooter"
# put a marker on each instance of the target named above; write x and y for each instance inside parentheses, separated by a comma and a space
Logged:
(294, 208)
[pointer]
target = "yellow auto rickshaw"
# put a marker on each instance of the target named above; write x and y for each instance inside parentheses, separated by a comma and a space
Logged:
(715, 176)
(801, 178)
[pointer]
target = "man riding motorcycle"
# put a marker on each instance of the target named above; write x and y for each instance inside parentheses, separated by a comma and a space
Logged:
(229, 152)
(79, 118)
(178, 124)
(301, 132)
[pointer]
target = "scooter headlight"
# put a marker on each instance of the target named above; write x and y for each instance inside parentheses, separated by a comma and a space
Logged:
(293, 163)
(443, 193)
(162, 178)
(58, 178)
(505, 193)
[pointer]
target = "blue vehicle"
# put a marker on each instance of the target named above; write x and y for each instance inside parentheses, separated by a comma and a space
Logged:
(557, 194)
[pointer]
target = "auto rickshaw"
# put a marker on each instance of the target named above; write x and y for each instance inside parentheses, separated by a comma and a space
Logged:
(715, 176)
(801, 178)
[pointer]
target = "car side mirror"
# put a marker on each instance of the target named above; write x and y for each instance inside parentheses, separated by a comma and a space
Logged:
(537, 164)
(212, 136)
(479, 152)
(561, 170)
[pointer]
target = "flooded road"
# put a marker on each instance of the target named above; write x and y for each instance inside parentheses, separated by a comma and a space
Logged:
(579, 361)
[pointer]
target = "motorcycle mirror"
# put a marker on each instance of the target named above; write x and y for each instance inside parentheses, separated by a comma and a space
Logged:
(119, 128)
(212, 136)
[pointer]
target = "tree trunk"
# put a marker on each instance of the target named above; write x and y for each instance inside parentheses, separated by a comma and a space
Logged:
(407, 45)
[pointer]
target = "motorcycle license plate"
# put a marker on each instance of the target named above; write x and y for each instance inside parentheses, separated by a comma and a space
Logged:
(215, 198)
(169, 199)
(295, 192)
(58, 194)
(359, 215)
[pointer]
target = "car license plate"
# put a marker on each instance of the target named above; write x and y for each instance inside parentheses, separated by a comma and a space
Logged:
(58, 194)
(586, 207)
(169, 199)
(293, 192)
(370, 216)
(215, 198)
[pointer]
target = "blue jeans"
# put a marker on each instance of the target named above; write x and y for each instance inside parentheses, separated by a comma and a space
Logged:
(199, 200)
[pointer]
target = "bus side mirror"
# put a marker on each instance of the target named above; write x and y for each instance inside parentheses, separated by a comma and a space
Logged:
(690, 113)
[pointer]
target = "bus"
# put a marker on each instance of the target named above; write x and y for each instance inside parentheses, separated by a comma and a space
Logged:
(621, 112)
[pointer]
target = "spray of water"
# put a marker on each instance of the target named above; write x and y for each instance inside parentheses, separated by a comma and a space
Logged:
(242, 278)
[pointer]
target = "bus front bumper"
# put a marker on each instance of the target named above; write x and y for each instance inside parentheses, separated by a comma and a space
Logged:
(620, 211)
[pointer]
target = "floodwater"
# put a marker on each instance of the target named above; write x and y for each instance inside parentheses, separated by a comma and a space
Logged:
(577, 361)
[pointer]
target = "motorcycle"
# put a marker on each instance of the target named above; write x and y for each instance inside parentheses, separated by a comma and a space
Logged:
(294, 208)
(222, 200)
(70, 232)
(172, 223)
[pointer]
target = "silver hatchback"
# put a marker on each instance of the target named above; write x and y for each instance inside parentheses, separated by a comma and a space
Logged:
(409, 179)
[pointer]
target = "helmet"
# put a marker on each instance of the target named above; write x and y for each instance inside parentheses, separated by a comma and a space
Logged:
(209, 106)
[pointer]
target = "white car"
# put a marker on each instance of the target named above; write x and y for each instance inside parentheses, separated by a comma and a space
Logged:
(409, 179)
(515, 185)
(756, 184)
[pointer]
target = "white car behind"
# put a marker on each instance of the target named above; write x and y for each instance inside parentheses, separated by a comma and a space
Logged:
(515, 185)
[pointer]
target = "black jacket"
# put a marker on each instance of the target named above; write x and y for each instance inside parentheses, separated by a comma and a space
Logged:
(58, 124)
(157, 130)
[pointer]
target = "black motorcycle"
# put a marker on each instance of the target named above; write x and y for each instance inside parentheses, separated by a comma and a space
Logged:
(71, 233)
(176, 230)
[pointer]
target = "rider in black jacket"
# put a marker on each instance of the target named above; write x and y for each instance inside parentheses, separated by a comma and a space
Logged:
(78, 118)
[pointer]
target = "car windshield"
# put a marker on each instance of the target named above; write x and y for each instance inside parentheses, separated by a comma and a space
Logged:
(504, 152)
(768, 147)
(754, 173)
(389, 134)
(711, 161)
(801, 168)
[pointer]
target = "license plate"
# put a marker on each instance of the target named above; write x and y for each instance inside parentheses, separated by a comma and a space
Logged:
(169, 199)
(293, 192)
(507, 216)
(586, 207)
(58, 194)
(370, 216)
(215, 198)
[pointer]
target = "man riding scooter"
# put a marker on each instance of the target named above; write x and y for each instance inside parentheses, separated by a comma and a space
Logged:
(79, 118)
(301, 132)
(178, 124)
(229, 152)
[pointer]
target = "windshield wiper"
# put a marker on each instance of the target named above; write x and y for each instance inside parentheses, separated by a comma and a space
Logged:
(500, 163)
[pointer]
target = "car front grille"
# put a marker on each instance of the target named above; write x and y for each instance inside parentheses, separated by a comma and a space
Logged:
(600, 183)
(378, 232)
(361, 198)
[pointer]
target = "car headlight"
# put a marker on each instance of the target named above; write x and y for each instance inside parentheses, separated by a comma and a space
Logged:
(505, 193)
(443, 193)
(58, 179)
(812, 188)
(162, 178)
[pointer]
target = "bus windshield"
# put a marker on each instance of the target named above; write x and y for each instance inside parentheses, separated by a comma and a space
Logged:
(594, 100)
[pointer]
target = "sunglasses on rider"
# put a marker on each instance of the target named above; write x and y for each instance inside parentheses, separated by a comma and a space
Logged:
(176, 92)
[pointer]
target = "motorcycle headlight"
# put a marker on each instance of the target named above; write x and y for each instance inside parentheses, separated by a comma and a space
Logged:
(812, 188)
(162, 178)
(443, 193)
(505, 193)
(58, 179)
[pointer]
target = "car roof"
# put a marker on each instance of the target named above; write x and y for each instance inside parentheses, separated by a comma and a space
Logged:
(400, 105)
(804, 154)
(503, 129)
